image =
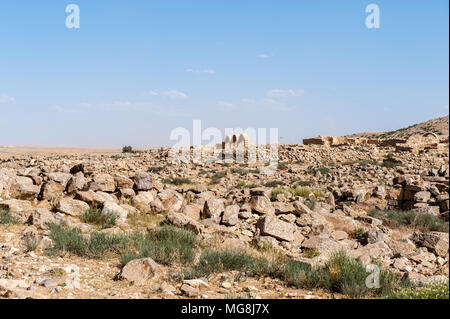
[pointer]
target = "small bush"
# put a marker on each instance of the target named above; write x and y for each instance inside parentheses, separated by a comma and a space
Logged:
(217, 177)
(96, 217)
(311, 252)
(411, 218)
(311, 202)
(7, 219)
(212, 261)
(165, 245)
(31, 242)
(274, 184)
(323, 170)
(243, 172)
(178, 181)
(282, 166)
(127, 149)
(242, 184)
(364, 163)
(156, 169)
(275, 192)
(298, 182)
(318, 193)
(431, 291)
(359, 233)
(300, 191)
(341, 274)
(71, 240)
(390, 162)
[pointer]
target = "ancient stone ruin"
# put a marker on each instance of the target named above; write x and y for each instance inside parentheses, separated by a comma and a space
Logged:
(414, 144)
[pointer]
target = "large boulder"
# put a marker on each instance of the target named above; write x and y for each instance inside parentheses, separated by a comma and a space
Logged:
(184, 221)
(171, 200)
(95, 199)
(122, 181)
(142, 182)
(140, 271)
(422, 197)
(192, 210)
(437, 242)
(144, 198)
(231, 215)
(20, 209)
(51, 190)
(113, 208)
(261, 205)
(41, 217)
(301, 208)
(213, 208)
(76, 183)
(283, 208)
(272, 226)
(106, 182)
(72, 207)
(60, 177)
(24, 188)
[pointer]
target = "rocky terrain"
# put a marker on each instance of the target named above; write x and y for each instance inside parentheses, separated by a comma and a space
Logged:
(134, 225)
(439, 126)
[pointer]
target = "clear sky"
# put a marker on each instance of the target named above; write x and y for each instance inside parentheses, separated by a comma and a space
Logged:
(135, 70)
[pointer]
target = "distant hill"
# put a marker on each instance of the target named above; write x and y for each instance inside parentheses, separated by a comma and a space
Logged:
(439, 126)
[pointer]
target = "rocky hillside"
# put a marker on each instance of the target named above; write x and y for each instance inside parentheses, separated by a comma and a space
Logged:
(439, 126)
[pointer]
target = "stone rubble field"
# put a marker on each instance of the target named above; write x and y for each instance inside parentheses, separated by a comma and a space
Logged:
(134, 225)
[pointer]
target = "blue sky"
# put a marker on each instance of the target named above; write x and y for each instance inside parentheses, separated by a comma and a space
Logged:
(135, 70)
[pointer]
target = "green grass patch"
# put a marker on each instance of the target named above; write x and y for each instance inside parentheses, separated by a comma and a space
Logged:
(311, 202)
(323, 170)
(431, 291)
(311, 252)
(30, 243)
(217, 177)
(340, 275)
(300, 191)
(156, 169)
(166, 245)
(178, 181)
(296, 182)
(96, 217)
(7, 219)
(243, 172)
(242, 184)
(274, 184)
(275, 192)
(421, 221)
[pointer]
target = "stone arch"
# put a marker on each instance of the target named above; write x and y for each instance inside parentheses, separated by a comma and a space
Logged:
(431, 134)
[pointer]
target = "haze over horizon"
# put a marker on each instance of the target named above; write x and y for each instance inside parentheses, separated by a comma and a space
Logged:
(135, 71)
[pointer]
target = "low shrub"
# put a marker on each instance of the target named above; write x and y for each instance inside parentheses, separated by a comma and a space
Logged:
(431, 291)
(411, 218)
(7, 219)
(178, 181)
(96, 217)
(340, 275)
(165, 245)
